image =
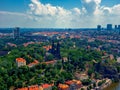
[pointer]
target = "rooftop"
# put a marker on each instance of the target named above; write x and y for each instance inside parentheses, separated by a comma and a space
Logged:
(47, 48)
(25, 88)
(35, 62)
(73, 82)
(44, 86)
(63, 86)
(51, 62)
(20, 60)
(34, 87)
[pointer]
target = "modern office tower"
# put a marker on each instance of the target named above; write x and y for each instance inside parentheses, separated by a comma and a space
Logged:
(116, 27)
(109, 26)
(99, 27)
(16, 33)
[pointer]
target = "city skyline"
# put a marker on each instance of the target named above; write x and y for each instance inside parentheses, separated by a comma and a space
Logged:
(58, 13)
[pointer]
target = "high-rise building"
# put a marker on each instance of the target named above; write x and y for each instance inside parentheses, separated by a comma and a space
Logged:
(16, 33)
(99, 27)
(116, 27)
(119, 27)
(109, 26)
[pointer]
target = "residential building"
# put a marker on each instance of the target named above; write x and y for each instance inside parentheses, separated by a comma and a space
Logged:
(33, 87)
(63, 87)
(20, 62)
(47, 48)
(53, 62)
(118, 59)
(35, 62)
(47, 86)
(74, 84)
(81, 76)
(65, 59)
(111, 57)
(25, 88)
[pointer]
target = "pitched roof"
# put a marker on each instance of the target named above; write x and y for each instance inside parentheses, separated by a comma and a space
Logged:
(63, 86)
(69, 82)
(46, 86)
(47, 47)
(51, 62)
(77, 81)
(25, 88)
(34, 87)
(35, 62)
(20, 60)
(73, 82)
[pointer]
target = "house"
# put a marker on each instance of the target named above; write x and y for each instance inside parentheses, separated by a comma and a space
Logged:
(78, 83)
(63, 87)
(12, 45)
(53, 62)
(65, 59)
(25, 88)
(81, 76)
(111, 57)
(47, 48)
(35, 62)
(28, 43)
(74, 84)
(20, 62)
(118, 59)
(33, 87)
(47, 86)
(37, 87)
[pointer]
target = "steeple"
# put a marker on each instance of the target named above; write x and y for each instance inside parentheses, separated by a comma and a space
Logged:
(58, 50)
(53, 48)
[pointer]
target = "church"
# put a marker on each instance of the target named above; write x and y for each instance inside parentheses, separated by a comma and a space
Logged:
(56, 50)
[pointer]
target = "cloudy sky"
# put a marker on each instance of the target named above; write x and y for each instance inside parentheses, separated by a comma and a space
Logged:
(58, 13)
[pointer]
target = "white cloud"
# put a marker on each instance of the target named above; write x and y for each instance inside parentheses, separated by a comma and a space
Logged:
(77, 11)
(56, 14)
(91, 5)
(47, 15)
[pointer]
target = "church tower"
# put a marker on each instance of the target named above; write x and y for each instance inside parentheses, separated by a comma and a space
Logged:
(58, 50)
(53, 48)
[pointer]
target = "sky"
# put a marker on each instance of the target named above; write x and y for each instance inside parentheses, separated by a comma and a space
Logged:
(58, 13)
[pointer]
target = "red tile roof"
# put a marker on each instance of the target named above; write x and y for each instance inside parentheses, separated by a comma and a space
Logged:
(69, 82)
(63, 87)
(35, 62)
(25, 88)
(34, 87)
(73, 82)
(47, 47)
(51, 62)
(26, 44)
(44, 86)
(20, 60)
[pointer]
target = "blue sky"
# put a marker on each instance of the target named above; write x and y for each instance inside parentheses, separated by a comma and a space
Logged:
(22, 5)
(58, 13)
